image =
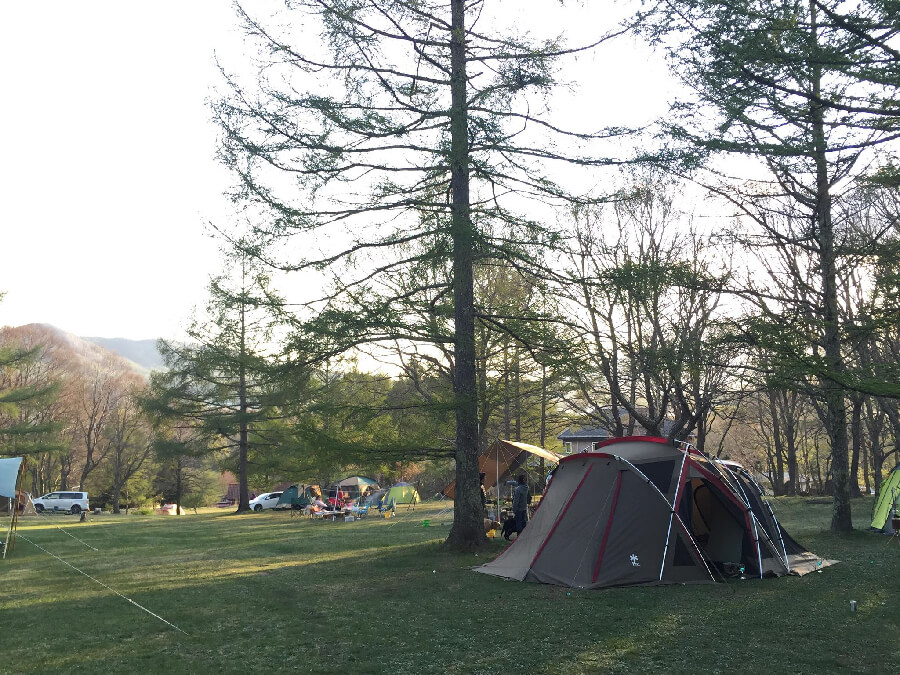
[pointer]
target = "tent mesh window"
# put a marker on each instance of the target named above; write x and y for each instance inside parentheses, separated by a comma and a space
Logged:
(660, 473)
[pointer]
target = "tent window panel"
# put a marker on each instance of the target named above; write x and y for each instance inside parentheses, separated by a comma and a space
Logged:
(660, 473)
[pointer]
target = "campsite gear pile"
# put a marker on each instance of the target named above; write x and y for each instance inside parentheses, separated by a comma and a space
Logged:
(350, 490)
(648, 511)
(350, 498)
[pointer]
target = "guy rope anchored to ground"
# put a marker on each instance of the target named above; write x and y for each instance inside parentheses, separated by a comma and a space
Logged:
(97, 581)
(67, 563)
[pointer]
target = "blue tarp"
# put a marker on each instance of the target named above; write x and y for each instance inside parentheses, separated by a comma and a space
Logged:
(9, 474)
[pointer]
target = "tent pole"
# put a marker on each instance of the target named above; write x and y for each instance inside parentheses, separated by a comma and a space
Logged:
(662, 565)
(750, 513)
(765, 501)
(8, 532)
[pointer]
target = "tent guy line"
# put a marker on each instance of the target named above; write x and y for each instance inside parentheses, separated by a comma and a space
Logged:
(61, 529)
(97, 581)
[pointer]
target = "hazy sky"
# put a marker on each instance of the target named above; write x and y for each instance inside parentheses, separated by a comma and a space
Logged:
(109, 170)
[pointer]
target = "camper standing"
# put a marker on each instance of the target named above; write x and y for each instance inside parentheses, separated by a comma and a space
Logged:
(521, 500)
(483, 494)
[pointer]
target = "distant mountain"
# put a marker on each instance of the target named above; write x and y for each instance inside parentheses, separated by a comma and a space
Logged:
(141, 352)
(70, 351)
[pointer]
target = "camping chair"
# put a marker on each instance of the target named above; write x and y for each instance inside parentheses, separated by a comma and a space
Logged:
(388, 511)
(361, 511)
(895, 526)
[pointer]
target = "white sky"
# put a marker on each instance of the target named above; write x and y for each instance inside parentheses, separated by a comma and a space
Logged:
(108, 171)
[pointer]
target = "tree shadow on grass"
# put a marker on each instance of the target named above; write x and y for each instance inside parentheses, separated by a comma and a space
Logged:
(331, 599)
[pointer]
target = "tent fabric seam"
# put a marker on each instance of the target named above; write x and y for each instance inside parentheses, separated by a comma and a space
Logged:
(560, 517)
(612, 513)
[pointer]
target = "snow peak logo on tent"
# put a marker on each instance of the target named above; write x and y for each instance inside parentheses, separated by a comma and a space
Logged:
(635, 560)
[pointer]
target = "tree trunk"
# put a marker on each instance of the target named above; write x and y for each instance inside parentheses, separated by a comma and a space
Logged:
(63, 474)
(865, 468)
(117, 498)
(243, 444)
(701, 434)
(507, 422)
(179, 467)
(856, 432)
(778, 477)
(517, 398)
(841, 519)
(468, 525)
(790, 436)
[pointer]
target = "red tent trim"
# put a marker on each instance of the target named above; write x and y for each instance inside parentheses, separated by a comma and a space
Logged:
(561, 515)
(609, 521)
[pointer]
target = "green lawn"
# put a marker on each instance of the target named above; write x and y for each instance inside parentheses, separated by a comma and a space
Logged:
(268, 593)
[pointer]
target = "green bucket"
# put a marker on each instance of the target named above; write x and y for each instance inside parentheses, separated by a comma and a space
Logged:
(426, 523)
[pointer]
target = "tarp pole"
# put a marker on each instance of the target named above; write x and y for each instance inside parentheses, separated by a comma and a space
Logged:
(497, 479)
(10, 540)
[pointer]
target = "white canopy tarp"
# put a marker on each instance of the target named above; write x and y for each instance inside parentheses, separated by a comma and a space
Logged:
(9, 474)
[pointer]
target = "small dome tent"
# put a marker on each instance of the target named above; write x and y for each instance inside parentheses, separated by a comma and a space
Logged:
(401, 493)
(297, 496)
(888, 499)
(647, 511)
(353, 487)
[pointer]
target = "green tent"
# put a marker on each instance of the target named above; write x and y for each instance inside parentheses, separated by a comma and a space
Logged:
(401, 493)
(888, 497)
(296, 496)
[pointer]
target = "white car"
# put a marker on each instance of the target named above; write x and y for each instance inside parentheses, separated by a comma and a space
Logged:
(71, 502)
(266, 500)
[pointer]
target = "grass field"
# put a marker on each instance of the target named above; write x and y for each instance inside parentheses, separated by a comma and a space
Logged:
(267, 593)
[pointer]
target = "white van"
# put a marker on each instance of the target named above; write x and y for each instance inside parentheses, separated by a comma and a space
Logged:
(70, 502)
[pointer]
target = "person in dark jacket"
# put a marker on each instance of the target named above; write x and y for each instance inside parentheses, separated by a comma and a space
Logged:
(483, 494)
(521, 500)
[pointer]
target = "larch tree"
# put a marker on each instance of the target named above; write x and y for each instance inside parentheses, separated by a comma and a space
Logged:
(409, 133)
(28, 388)
(219, 386)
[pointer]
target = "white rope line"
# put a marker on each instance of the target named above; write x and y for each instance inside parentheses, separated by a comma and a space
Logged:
(97, 581)
(45, 515)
